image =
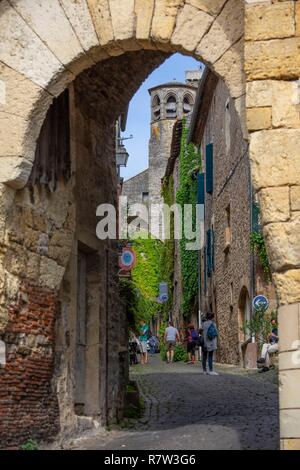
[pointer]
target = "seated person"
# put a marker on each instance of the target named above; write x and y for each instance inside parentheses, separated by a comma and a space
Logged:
(269, 348)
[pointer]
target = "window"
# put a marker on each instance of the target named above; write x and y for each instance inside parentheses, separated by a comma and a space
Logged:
(145, 197)
(201, 195)
(156, 108)
(171, 107)
(187, 104)
(210, 252)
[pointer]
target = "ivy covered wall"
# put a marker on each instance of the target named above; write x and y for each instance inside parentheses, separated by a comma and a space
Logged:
(189, 166)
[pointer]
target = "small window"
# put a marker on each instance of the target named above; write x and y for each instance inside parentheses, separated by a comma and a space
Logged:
(145, 197)
(171, 107)
(187, 104)
(156, 108)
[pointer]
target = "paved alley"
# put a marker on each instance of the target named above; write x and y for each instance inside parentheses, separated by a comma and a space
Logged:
(187, 410)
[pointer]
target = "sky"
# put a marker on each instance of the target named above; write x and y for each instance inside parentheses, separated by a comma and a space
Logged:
(138, 122)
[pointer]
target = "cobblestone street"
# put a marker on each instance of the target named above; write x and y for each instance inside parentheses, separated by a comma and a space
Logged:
(187, 410)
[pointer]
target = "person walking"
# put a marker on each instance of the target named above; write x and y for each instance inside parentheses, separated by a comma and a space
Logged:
(143, 338)
(210, 334)
(171, 337)
(191, 339)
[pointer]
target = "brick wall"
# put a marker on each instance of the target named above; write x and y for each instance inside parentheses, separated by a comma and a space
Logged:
(28, 403)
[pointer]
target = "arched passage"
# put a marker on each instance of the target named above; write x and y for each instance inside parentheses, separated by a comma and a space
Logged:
(39, 60)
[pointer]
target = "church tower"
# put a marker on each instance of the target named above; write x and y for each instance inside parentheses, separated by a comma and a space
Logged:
(169, 102)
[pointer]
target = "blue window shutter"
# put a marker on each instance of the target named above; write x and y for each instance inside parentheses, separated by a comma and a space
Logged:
(213, 250)
(209, 168)
(209, 252)
(201, 193)
(205, 271)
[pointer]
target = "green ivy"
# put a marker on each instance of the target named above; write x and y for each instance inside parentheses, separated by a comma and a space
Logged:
(167, 249)
(258, 246)
(189, 165)
(31, 444)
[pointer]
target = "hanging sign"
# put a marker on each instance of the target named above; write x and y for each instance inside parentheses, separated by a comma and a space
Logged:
(127, 259)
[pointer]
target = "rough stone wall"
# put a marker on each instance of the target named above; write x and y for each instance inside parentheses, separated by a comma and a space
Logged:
(272, 69)
(134, 187)
(231, 187)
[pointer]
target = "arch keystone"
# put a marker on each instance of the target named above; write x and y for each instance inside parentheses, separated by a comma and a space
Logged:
(144, 13)
(123, 18)
(164, 19)
(101, 16)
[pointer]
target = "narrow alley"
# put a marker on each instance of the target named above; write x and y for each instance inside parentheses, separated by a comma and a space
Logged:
(185, 409)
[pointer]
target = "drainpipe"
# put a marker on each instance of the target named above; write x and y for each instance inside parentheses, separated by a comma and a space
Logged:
(199, 290)
(252, 263)
(106, 335)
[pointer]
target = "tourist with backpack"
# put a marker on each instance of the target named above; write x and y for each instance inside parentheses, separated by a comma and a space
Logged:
(210, 335)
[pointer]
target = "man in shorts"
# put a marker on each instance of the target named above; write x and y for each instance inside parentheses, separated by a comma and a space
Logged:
(171, 336)
(143, 338)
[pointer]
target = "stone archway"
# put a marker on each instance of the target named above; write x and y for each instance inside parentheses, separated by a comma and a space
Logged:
(45, 45)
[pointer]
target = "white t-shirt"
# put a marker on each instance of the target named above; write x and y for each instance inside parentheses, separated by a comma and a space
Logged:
(171, 333)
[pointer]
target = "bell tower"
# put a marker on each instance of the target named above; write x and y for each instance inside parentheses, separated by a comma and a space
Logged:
(169, 102)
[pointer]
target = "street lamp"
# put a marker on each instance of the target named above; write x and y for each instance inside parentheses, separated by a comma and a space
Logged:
(121, 156)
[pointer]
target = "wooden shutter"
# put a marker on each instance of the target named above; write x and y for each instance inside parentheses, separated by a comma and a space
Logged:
(201, 193)
(52, 155)
(209, 252)
(209, 169)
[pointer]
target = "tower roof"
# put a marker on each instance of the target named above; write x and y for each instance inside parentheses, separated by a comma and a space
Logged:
(171, 85)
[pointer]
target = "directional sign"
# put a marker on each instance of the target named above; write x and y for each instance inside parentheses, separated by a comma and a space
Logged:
(163, 291)
(127, 259)
(260, 302)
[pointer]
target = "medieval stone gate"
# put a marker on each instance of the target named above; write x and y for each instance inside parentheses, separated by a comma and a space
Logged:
(252, 45)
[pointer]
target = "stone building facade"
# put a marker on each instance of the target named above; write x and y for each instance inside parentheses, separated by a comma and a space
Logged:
(136, 189)
(230, 273)
(252, 45)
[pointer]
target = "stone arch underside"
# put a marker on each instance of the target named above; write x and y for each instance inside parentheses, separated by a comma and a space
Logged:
(44, 46)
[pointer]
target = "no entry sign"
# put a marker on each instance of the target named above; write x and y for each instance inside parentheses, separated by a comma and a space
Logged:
(127, 259)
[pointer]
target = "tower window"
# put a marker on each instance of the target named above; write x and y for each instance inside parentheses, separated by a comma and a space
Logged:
(171, 107)
(187, 104)
(156, 108)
